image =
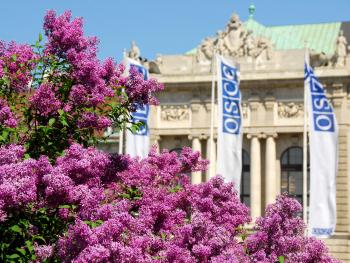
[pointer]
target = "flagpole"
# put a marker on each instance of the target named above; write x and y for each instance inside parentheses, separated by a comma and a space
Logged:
(305, 199)
(211, 154)
(121, 132)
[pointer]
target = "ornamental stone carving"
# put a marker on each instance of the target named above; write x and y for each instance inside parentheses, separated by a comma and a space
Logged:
(175, 112)
(234, 41)
(245, 110)
(134, 52)
(205, 51)
(341, 50)
(290, 109)
(234, 36)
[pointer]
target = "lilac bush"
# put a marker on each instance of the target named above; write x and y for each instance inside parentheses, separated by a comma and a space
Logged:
(119, 209)
(280, 234)
(62, 200)
(60, 92)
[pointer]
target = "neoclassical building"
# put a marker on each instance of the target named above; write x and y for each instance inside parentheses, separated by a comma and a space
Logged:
(271, 63)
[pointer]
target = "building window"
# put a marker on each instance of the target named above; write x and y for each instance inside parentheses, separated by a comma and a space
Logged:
(292, 172)
(177, 150)
(245, 180)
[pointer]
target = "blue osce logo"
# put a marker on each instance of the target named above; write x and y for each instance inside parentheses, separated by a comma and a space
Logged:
(142, 111)
(231, 97)
(141, 115)
(322, 111)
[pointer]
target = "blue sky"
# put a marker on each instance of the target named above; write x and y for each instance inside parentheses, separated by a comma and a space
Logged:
(160, 26)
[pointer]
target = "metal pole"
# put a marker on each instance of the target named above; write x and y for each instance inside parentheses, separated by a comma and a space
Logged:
(305, 212)
(211, 154)
(121, 140)
(121, 132)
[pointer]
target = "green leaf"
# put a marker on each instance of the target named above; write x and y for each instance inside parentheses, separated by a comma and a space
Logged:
(40, 37)
(64, 122)
(16, 229)
(13, 256)
(29, 245)
(281, 259)
(163, 235)
(52, 121)
(38, 238)
(64, 206)
(21, 250)
(5, 134)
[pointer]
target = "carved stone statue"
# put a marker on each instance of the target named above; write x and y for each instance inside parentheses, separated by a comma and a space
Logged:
(320, 59)
(249, 44)
(175, 113)
(134, 51)
(290, 110)
(206, 50)
(220, 44)
(264, 49)
(341, 50)
(233, 39)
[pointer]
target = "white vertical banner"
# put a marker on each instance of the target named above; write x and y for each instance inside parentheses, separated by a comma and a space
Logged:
(323, 157)
(229, 145)
(137, 144)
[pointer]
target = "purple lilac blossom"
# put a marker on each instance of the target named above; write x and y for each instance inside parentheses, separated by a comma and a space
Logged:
(148, 211)
(19, 60)
(140, 90)
(44, 101)
(281, 233)
(7, 118)
(92, 120)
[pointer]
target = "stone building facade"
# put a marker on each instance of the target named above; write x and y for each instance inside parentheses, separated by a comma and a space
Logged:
(271, 63)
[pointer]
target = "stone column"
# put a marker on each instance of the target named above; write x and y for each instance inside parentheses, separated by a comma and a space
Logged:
(270, 169)
(211, 156)
(255, 175)
(196, 177)
(155, 141)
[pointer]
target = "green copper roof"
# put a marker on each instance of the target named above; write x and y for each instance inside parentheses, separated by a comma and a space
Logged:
(319, 37)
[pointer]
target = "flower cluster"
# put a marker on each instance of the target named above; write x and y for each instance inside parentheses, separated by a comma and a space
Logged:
(92, 120)
(16, 63)
(155, 214)
(139, 90)
(66, 40)
(44, 101)
(122, 209)
(7, 118)
(93, 81)
(73, 91)
(280, 233)
(19, 182)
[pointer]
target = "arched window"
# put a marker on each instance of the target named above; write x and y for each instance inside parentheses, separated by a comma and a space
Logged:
(245, 180)
(292, 172)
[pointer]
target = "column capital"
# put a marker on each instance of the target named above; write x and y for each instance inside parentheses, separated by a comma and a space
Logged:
(271, 134)
(155, 137)
(198, 136)
(204, 136)
(256, 135)
(194, 136)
